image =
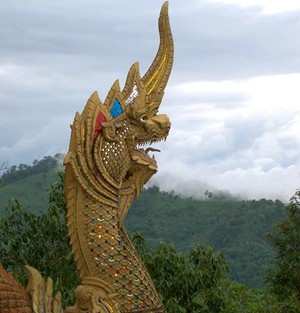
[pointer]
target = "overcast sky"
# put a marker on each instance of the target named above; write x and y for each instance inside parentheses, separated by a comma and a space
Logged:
(233, 97)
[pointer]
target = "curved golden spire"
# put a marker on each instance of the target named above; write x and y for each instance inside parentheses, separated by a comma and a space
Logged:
(156, 78)
(153, 83)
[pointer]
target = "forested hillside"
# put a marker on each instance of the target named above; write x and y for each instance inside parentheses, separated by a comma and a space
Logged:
(236, 228)
(29, 184)
(193, 282)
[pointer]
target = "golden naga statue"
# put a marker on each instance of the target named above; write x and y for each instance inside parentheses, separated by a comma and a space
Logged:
(106, 168)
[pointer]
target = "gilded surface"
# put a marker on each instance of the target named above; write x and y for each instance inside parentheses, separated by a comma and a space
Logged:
(106, 169)
(40, 291)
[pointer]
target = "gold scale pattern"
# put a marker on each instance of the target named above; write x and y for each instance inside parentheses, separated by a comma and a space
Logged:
(116, 259)
(118, 149)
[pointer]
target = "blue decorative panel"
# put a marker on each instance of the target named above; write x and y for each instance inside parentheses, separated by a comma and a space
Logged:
(116, 109)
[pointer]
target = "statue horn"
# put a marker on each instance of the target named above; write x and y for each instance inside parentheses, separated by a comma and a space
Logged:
(156, 78)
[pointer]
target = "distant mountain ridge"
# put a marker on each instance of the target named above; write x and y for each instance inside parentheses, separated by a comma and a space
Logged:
(15, 173)
(236, 227)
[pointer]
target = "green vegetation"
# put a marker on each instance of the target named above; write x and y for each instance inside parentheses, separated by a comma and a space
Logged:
(29, 184)
(184, 238)
(284, 278)
(41, 241)
(237, 228)
(191, 281)
(185, 283)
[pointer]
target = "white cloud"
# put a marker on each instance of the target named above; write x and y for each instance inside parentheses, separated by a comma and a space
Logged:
(217, 145)
(257, 183)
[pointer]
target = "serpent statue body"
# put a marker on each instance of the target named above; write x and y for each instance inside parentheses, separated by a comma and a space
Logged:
(105, 170)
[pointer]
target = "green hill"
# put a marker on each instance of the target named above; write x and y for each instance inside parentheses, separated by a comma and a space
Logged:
(237, 228)
(29, 184)
(32, 192)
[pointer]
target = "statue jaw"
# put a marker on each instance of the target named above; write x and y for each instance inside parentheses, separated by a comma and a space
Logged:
(142, 169)
(122, 149)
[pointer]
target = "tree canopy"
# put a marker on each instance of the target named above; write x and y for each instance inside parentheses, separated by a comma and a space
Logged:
(284, 278)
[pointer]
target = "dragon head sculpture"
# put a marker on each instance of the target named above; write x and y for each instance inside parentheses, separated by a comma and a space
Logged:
(128, 120)
(114, 132)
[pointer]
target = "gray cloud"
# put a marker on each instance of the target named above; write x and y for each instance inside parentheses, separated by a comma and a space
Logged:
(228, 42)
(213, 41)
(215, 99)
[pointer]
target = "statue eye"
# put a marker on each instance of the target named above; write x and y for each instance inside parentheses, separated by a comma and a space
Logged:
(143, 119)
